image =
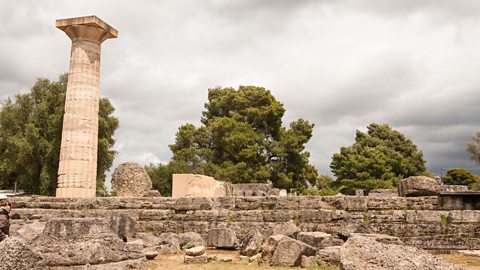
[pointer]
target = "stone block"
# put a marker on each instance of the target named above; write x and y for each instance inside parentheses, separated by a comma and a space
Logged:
(308, 261)
(426, 216)
(195, 251)
(196, 203)
(451, 202)
(289, 252)
(418, 186)
(131, 180)
(252, 243)
(383, 193)
(453, 188)
(289, 229)
(315, 239)
(202, 259)
(329, 255)
(196, 185)
(377, 203)
(349, 203)
(248, 203)
(222, 238)
(361, 252)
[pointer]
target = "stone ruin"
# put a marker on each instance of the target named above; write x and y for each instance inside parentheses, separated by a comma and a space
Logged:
(78, 231)
(77, 168)
(269, 230)
(196, 185)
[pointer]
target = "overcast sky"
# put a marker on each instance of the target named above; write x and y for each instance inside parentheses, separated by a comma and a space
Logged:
(341, 64)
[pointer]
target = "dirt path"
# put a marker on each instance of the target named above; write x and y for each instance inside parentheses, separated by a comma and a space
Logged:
(469, 262)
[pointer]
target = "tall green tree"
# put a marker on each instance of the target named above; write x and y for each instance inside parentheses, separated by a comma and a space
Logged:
(377, 159)
(30, 137)
(242, 140)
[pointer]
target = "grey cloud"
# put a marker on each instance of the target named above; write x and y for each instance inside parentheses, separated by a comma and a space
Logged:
(339, 64)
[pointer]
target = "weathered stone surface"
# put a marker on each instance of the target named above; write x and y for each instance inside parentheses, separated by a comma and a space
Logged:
(169, 243)
(365, 253)
(195, 259)
(152, 193)
(130, 180)
(318, 239)
(222, 238)
(15, 253)
(329, 255)
(149, 240)
(269, 247)
(252, 243)
(418, 186)
(289, 251)
(453, 188)
(77, 168)
(77, 242)
(383, 193)
(30, 232)
(195, 251)
(286, 228)
(190, 240)
(351, 203)
(382, 238)
(254, 190)
(123, 225)
(197, 185)
(308, 261)
(200, 203)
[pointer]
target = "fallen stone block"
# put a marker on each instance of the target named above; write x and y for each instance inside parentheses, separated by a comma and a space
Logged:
(191, 239)
(316, 239)
(222, 238)
(195, 259)
(288, 252)
(252, 244)
(418, 186)
(365, 253)
(329, 255)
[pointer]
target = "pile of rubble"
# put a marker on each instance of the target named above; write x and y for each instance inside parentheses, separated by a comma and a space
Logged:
(113, 243)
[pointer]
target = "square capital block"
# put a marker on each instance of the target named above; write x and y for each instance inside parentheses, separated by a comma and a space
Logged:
(72, 26)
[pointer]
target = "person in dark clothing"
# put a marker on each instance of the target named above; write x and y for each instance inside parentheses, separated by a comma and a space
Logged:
(5, 208)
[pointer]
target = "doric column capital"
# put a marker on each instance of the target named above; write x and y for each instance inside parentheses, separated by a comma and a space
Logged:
(89, 28)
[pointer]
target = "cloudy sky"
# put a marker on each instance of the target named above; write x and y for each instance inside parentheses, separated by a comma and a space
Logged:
(341, 64)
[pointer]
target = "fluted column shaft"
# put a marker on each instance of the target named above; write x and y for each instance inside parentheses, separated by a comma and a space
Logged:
(77, 171)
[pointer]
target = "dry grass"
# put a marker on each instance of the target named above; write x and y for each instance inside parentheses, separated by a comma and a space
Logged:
(171, 262)
(469, 262)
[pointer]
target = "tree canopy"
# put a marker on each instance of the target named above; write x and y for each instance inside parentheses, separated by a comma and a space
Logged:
(242, 140)
(377, 159)
(30, 137)
(461, 176)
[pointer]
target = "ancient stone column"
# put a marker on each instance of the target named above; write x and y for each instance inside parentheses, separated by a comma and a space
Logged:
(77, 170)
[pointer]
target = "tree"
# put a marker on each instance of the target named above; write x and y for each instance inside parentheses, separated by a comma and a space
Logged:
(242, 140)
(473, 147)
(377, 159)
(460, 176)
(30, 137)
